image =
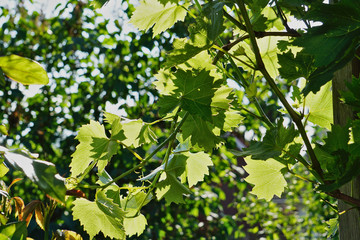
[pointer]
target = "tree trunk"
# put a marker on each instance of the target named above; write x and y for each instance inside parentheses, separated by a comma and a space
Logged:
(349, 221)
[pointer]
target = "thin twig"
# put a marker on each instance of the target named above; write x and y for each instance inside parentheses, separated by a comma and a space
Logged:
(293, 114)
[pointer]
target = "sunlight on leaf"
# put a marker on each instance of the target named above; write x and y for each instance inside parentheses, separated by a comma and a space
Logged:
(23, 70)
(320, 106)
(266, 177)
(152, 13)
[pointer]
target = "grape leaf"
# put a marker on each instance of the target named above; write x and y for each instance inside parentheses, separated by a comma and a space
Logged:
(110, 117)
(66, 234)
(351, 96)
(23, 70)
(117, 131)
(152, 13)
(213, 11)
(185, 49)
(220, 99)
(332, 226)
(3, 169)
(320, 106)
(171, 189)
(3, 130)
(94, 146)
(340, 22)
(130, 132)
(201, 133)
(133, 201)
(201, 61)
(295, 67)
(268, 50)
(146, 134)
(101, 215)
(266, 177)
(135, 225)
(340, 159)
(196, 91)
(333, 43)
(189, 166)
(164, 83)
(226, 120)
(273, 143)
(197, 167)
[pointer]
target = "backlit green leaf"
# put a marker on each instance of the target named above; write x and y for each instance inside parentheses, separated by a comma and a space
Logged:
(171, 189)
(3, 169)
(132, 130)
(133, 201)
(135, 225)
(94, 146)
(196, 92)
(333, 43)
(268, 50)
(185, 49)
(3, 130)
(197, 166)
(295, 67)
(266, 177)
(16, 231)
(23, 70)
(320, 106)
(101, 215)
(152, 13)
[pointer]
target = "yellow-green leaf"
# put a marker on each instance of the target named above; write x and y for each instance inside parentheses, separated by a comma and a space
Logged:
(23, 70)
(153, 13)
(197, 166)
(135, 225)
(94, 146)
(320, 106)
(266, 177)
(101, 215)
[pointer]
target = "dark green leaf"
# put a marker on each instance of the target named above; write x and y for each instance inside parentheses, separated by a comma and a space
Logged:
(272, 144)
(200, 132)
(351, 96)
(332, 44)
(295, 67)
(213, 11)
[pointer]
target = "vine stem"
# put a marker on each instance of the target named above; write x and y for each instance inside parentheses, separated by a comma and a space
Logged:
(173, 134)
(264, 117)
(132, 151)
(346, 198)
(293, 114)
(231, 55)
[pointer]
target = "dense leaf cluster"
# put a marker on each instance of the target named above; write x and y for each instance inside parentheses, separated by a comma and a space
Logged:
(237, 66)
